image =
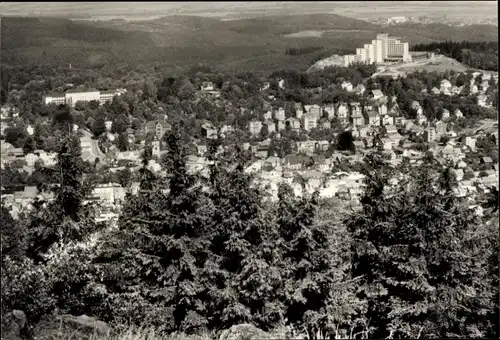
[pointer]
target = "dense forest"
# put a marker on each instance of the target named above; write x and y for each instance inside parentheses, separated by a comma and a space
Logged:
(479, 55)
(197, 253)
(302, 50)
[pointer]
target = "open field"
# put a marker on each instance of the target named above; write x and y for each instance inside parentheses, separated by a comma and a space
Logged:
(246, 9)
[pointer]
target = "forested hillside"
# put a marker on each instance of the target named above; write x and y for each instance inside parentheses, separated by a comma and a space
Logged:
(265, 43)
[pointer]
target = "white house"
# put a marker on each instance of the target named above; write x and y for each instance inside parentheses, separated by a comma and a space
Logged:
(445, 85)
(360, 89)
(346, 85)
(458, 113)
(377, 94)
(207, 86)
(271, 127)
(343, 113)
(309, 122)
(373, 118)
(254, 127)
(445, 115)
(482, 100)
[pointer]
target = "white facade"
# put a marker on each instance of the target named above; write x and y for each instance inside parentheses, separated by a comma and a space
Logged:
(346, 85)
(70, 98)
(73, 97)
(254, 127)
(351, 58)
(57, 99)
(383, 48)
(309, 122)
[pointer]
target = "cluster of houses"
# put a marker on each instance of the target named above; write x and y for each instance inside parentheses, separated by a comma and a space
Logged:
(9, 154)
(110, 197)
(349, 115)
(476, 88)
(373, 124)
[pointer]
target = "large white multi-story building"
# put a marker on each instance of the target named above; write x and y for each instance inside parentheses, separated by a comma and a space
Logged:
(382, 49)
(76, 96)
(72, 96)
(57, 98)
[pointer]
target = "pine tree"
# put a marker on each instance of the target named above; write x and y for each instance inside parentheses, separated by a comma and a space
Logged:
(29, 145)
(38, 137)
(66, 217)
(317, 294)
(99, 126)
(152, 264)
(12, 235)
(422, 255)
(241, 274)
(55, 273)
(122, 142)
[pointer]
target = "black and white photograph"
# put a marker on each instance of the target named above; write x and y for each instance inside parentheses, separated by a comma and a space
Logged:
(249, 170)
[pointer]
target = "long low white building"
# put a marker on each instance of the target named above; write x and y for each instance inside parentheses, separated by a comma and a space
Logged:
(72, 96)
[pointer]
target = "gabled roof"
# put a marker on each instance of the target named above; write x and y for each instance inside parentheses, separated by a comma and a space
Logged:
(152, 124)
(377, 93)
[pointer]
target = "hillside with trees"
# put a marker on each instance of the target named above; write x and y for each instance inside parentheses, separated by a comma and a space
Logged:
(478, 55)
(181, 42)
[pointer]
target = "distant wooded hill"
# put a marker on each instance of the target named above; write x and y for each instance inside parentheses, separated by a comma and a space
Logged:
(185, 41)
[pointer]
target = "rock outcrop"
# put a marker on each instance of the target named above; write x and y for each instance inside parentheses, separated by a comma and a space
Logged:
(334, 60)
(14, 325)
(244, 332)
(80, 327)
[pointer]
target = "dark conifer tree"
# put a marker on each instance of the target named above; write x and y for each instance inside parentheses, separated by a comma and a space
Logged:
(422, 255)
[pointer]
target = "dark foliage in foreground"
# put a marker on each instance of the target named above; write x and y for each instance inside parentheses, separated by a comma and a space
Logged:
(194, 252)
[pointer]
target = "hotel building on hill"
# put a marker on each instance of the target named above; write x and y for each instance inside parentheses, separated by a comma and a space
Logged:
(72, 96)
(383, 49)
